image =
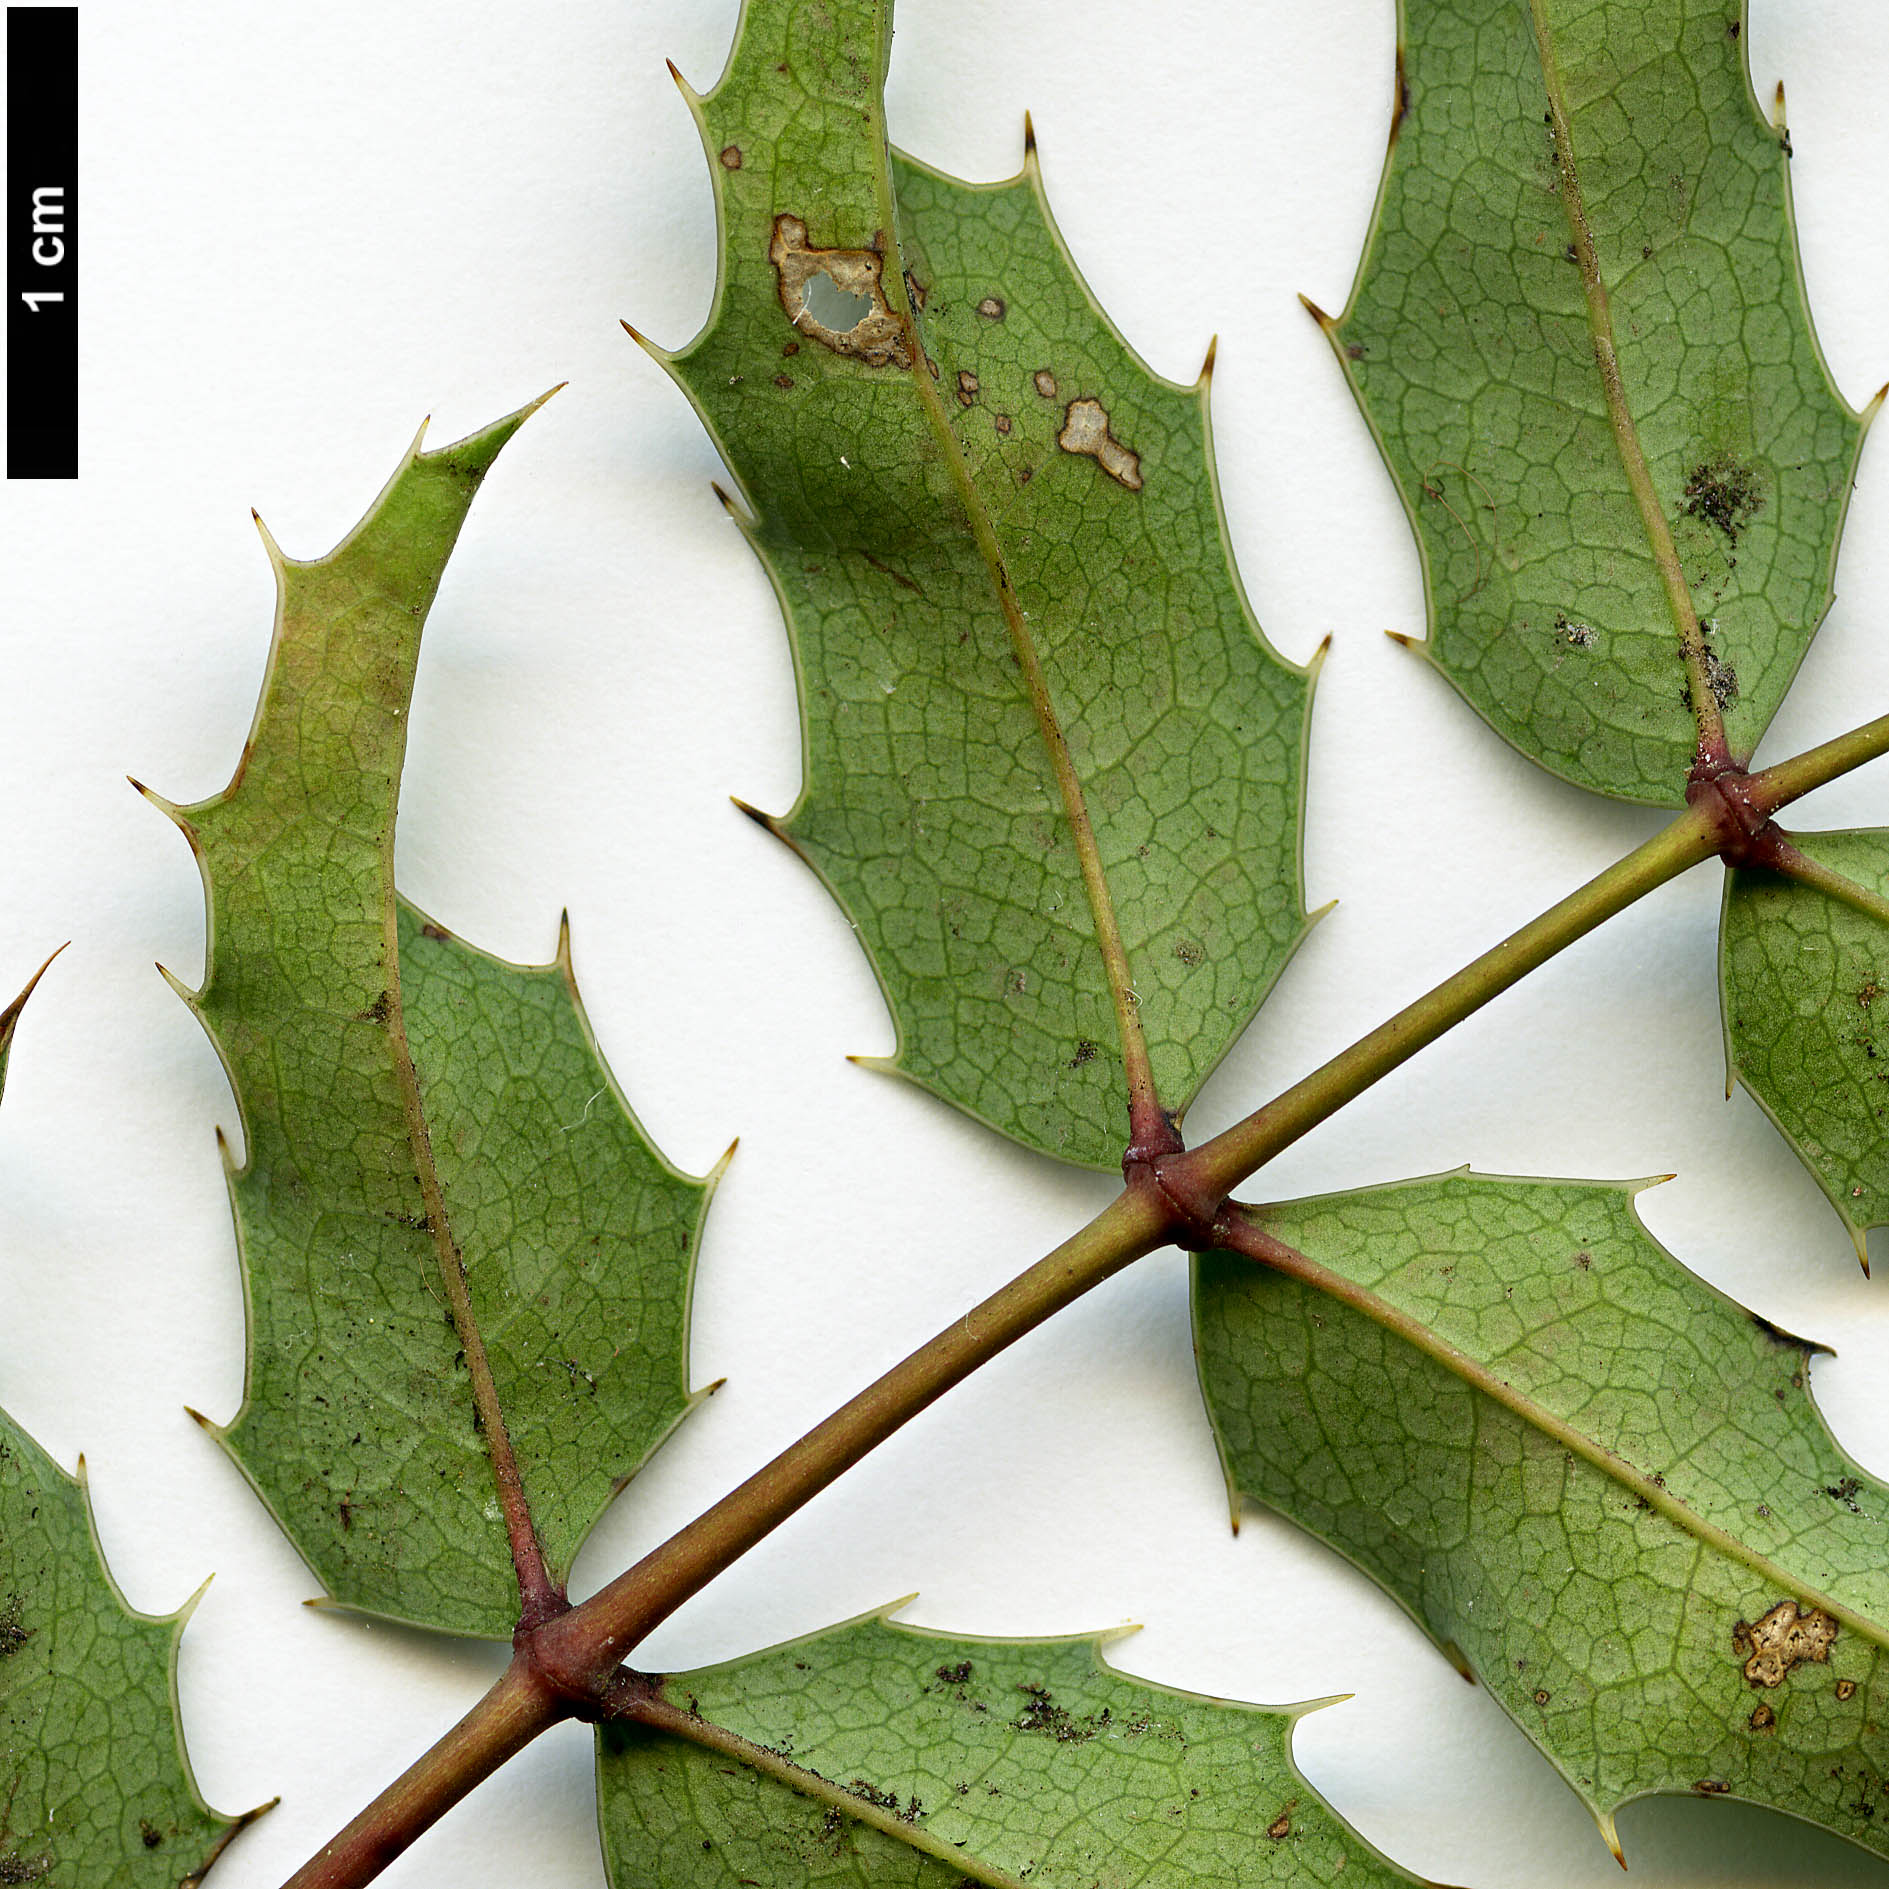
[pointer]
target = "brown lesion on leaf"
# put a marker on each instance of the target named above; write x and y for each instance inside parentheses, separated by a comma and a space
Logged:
(1724, 492)
(992, 308)
(1784, 1638)
(880, 337)
(1762, 1719)
(1086, 432)
(967, 388)
(1281, 1826)
(1001, 421)
(1846, 1690)
(1044, 382)
(731, 157)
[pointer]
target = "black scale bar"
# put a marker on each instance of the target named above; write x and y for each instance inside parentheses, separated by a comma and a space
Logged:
(42, 237)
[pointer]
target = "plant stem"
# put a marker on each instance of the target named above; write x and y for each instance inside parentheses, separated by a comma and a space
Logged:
(1210, 1171)
(500, 1726)
(587, 1643)
(572, 1657)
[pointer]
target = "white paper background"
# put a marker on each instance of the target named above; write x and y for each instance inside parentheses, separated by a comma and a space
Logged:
(306, 225)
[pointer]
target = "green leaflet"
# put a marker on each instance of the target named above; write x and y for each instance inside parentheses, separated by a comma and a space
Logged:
(1603, 1488)
(375, 1058)
(1468, 343)
(882, 1755)
(94, 1783)
(1799, 975)
(946, 496)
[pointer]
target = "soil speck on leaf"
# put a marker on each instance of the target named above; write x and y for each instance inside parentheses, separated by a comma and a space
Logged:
(1724, 492)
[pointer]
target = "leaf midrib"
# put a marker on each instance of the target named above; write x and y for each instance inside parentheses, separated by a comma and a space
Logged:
(1692, 648)
(1144, 1105)
(661, 1716)
(1413, 1331)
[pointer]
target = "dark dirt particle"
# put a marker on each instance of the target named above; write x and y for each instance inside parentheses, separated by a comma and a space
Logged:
(1724, 492)
(1041, 1713)
(1086, 1052)
(151, 1835)
(13, 1635)
(958, 1675)
(17, 1868)
(1575, 635)
(1190, 953)
(1584, 1260)
(1845, 1492)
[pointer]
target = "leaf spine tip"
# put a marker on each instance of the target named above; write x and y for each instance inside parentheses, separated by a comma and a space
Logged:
(721, 1167)
(1401, 640)
(271, 549)
(1777, 107)
(1317, 313)
(182, 989)
(1875, 405)
(682, 85)
(755, 814)
(1205, 377)
(564, 940)
(197, 1417)
(1029, 140)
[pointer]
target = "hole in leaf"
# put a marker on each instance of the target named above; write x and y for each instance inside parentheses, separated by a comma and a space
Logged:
(832, 306)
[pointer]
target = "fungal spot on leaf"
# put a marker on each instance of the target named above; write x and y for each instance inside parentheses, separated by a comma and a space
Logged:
(1045, 383)
(731, 157)
(1724, 492)
(836, 297)
(1763, 1719)
(17, 1868)
(1542, 1697)
(13, 1635)
(1086, 1052)
(991, 308)
(1575, 635)
(1846, 1690)
(1190, 953)
(1001, 422)
(1782, 1640)
(1086, 431)
(967, 389)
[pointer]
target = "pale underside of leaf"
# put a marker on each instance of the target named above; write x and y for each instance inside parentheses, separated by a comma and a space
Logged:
(1492, 299)
(879, 1754)
(95, 1786)
(1602, 1487)
(1800, 970)
(1052, 771)
(441, 1178)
